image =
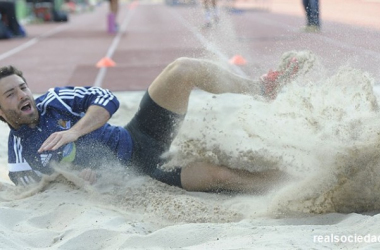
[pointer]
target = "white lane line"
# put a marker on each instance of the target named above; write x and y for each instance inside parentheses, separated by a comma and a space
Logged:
(208, 45)
(111, 50)
(32, 42)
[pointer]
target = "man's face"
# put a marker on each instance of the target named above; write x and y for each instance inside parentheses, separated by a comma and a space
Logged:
(17, 105)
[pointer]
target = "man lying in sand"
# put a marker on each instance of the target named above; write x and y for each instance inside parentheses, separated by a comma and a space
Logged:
(69, 124)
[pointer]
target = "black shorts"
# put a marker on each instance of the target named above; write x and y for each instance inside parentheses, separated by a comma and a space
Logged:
(153, 129)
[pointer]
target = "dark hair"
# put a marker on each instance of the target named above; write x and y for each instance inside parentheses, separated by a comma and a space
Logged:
(8, 71)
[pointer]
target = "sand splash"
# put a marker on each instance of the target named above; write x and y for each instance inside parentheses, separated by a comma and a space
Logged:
(322, 129)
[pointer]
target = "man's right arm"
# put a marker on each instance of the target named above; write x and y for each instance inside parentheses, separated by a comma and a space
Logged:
(95, 117)
(94, 105)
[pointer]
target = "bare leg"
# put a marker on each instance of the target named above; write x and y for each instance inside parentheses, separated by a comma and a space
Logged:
(208, 177)
(114, 7)
(172, 88)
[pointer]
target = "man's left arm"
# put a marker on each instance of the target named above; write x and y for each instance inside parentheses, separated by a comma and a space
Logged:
(95, 117)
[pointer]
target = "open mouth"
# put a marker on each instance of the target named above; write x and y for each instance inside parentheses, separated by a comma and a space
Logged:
(26, 107)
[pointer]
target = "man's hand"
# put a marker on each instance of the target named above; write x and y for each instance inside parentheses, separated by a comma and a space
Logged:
(95, 117)
(58, 139)
(88, 175)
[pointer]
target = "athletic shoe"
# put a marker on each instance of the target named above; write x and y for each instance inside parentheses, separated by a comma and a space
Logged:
(311, 29)
(273, 81)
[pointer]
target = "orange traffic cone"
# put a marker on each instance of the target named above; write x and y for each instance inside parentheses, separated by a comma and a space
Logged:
(238, 60)
(105, 63)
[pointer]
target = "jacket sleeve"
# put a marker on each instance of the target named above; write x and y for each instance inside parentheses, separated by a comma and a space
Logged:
(78, 99)
(20, 172)
(25, 177)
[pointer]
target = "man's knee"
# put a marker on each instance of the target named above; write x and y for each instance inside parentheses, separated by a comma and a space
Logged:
(184, 66)
(179, 74)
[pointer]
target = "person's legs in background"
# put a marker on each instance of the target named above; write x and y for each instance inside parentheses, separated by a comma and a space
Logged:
(114, 7)
(312, 15)
(207, 14)
(9, 19)
(114, 10)
(215, 13)
(211, 12)
(305, 4)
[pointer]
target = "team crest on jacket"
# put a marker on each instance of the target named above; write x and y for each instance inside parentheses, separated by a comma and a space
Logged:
(64, 124)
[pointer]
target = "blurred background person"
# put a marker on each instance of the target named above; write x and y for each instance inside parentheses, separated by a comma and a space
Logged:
(9, 25)
(112, 16)
(211, 12)
(312, 15)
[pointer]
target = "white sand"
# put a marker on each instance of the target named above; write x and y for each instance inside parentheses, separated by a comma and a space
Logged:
(323, 132)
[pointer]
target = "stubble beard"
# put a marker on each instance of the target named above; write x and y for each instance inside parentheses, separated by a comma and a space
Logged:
(16, 120)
